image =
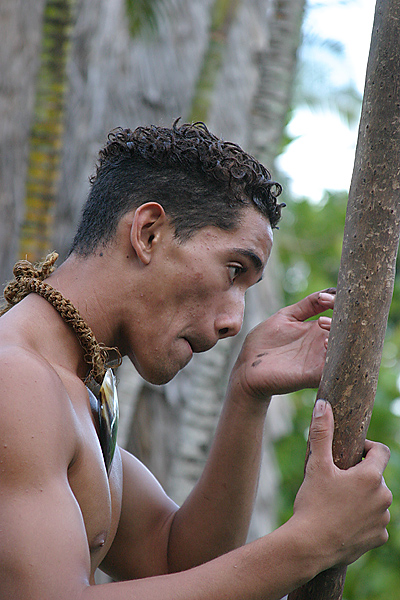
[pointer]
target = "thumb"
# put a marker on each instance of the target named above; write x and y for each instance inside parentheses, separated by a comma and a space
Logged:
(321, 432)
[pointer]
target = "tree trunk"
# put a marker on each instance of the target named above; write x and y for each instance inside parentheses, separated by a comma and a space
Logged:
(366, 275)
(119, 80)
(20, 34)
(277, 67)
(47, 131)
(222, 15)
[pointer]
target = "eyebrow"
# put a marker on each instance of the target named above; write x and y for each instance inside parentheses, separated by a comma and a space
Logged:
(255, 259)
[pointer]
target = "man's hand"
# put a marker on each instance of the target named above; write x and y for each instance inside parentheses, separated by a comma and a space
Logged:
(286, 352)
(347, 509)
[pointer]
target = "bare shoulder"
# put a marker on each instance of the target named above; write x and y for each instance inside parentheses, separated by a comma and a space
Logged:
(34, 405)
(25, 374)
(38, 441)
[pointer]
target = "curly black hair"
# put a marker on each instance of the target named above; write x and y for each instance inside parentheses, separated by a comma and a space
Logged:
(199, 179)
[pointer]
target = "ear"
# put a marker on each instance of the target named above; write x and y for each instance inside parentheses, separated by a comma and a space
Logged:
(149, 223)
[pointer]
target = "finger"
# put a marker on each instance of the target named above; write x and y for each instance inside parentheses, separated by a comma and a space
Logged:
(311, 306)
(377, 453)
(325, 323)
(321, 433)
(327, 300)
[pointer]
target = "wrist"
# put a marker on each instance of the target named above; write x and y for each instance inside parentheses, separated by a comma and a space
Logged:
(243, 394)
(286, 559)
(304, 549)
(246, 400)
(320, 548)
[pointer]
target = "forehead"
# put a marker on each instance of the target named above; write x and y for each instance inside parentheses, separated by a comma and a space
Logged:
(253, 233)
(252, 236)
(254, 224)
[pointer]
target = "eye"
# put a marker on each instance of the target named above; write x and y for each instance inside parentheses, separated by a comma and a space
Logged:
(234, 271)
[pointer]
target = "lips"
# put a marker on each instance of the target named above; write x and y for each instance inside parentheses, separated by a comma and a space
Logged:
(189, 344)
(200, 345)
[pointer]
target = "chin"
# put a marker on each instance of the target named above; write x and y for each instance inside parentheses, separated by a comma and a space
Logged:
(159, 378)
(161, 375)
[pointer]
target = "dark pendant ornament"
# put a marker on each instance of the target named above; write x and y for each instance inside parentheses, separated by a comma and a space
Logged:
(104, 403)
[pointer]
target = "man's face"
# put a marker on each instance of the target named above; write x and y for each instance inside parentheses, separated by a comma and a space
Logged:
(196, 294)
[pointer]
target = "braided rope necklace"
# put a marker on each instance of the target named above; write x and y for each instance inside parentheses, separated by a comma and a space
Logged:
(100, 381)
(29, 278)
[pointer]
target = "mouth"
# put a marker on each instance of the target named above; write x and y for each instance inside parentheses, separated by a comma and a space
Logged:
(189, 345)
(199, 346)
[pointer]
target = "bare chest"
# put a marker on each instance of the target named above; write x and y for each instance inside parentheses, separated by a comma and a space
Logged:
(97, 493)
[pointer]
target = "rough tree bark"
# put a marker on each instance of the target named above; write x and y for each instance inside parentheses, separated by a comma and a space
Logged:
(366, 275)
(46, 137)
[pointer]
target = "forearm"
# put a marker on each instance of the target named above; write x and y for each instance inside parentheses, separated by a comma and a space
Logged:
(216, 516)
(263, 570)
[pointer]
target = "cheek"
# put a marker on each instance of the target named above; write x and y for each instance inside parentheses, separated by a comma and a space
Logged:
(194, 280)
(202, 286)
(189, 293)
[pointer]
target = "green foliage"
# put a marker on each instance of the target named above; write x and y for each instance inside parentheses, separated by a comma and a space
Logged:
(142, 15)
(310, 244)
(310, 241)
(222, 14)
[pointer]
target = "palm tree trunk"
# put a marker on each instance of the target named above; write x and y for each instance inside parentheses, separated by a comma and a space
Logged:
(276, 65)
(20, 34)
(47, 131)
(222, 15)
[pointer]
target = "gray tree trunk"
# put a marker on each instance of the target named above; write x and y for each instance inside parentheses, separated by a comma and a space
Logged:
(20, 34)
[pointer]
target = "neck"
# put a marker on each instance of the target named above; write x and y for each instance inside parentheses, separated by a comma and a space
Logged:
(80, 281)
(35, 325)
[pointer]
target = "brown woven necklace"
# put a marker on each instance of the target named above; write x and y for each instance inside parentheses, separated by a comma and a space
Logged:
(29, 278)
(100, 381)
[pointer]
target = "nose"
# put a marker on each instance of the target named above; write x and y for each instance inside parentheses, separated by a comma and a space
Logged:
(230, 319)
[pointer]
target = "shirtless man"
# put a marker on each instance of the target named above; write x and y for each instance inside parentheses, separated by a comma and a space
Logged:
(177, 226)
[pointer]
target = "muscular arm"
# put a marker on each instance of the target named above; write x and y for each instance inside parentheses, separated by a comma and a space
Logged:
(283, 354)
(212, 521)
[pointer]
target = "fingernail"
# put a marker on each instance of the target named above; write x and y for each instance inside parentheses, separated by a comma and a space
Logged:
(319, 408)
(325, 320)
(326, 297)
